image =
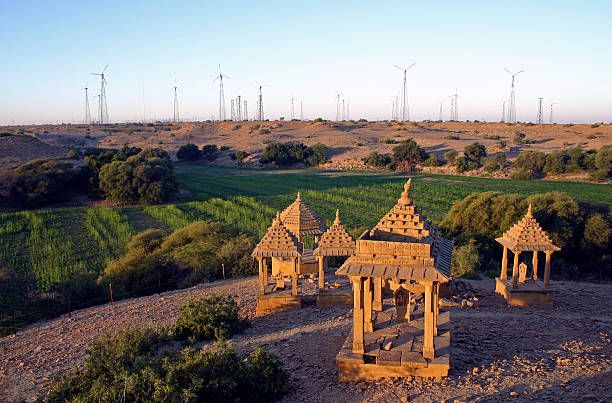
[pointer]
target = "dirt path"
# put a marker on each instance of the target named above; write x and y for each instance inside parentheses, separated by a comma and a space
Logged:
(498, 352)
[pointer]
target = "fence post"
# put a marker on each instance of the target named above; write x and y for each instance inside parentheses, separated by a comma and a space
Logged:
(110, 288)
(223, 270)
(69, 310)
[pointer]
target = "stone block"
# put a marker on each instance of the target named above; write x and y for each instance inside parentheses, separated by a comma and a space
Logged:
(393, 358)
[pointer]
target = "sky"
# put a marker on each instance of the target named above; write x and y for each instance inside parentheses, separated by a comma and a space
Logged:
(308, 51)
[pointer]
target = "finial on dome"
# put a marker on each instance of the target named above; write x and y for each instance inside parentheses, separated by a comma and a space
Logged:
(530, 211)
(337, 220)
(405, 198)
(277, 219)
(298, 197)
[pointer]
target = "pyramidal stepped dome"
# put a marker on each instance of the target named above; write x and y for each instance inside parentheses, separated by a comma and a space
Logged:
(278, 242)
(527, 235)
(336, 241)
(301, 220)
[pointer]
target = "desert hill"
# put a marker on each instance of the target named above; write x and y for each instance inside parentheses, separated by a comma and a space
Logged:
(347, 141)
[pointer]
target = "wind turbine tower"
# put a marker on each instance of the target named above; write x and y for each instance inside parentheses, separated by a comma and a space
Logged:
(221, 95)
(540, 114)
(343, 110)
(99, 108)
(87, 111)
(503, 116)
(440, 113)
(338, 106)
(301, 110)
(348, 103)
(175, 114)
(103, 106)
(405, 112)
(292, 108)
(512, 106)
(551, 112)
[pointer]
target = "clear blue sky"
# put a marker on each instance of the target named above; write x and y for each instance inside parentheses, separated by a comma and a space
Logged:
(306, 50)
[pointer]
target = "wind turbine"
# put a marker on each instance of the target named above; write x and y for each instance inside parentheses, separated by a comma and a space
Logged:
(175, 115)
(99, 108)
(503, 116)
(512, 107)
(292, 109)
(87, 111)
(260, 111)
(221, 95)
(405, 112)
(338, 106)
(551, 112)
(103, 106)
(440, 113)
(454, 106)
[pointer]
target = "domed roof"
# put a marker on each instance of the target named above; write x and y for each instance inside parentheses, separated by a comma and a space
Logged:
(277, 242)
(336, 241)
(527, 235)
(301, 220)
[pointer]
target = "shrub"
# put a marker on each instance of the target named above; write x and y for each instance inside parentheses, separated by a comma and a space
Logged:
(264, 131)
(138, 180)
(451, 156)
(521, 174)
(189, 152)
(409, 153)
(283, 154)
(239, 155)
(603, 159)
(452, 137)
(375, 159)
(388, 140)
(465, 261)
(531, 160)
(209, 152)
(519, 138)
(432, 161)
(73, 154)
(495, 163)
(207, 318)
(125, 367)
(236, 127)
(475, 152)
(154, 153)
(41, 182)
(464, 164)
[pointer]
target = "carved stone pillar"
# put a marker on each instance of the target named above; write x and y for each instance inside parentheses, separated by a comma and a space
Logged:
(358, 326)
(504, 269)
(321, 272)
(368, 326)
(547, 269)
(515, 268)
(377, 304)
(534, 263)
(262, 289)
(428, 339)
(294, 278)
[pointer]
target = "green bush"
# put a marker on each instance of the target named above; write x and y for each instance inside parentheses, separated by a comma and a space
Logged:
(475, 152)
(284, 154)
(521, 174)
(464, 164)
(451, 156)
(73, 154)
(210, 152)
(465, 261)
(239, 155)
(432, 161)
(531, 160)
(495, 163)
(129, 367)
(603, 159)
(41, 182)
(138, 180)
(408, 152)
(189, 152)
(154, 153)
(375, 159)
(452, 137)
(215, 317)
(388, 140)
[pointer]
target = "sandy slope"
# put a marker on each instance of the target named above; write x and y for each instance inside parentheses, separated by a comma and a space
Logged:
(498, 352)
(346, 140)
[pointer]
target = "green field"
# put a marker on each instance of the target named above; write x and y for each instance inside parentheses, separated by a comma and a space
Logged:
(52, 246)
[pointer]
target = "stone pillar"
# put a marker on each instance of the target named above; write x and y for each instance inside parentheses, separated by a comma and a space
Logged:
(377, 304)
(515, 268)
(321, 272)
(547, 269)
(368, 326)
(428, 342)
(358, 339)
(294, 278)
(534, 263)
(436, 308)
(504, 270)
(262, 289)
(265, 271)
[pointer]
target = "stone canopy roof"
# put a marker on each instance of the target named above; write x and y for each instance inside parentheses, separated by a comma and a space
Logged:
(336, 241)
(278, 242)
(527, 235)
(301, 220)
(403, 245)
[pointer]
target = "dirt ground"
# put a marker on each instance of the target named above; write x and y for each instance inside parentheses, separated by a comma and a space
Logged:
(347, 141)
(499, 353)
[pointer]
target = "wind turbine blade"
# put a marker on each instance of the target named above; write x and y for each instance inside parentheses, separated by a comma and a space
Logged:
(224, 76)
(410, 66)
(104, 69)
(216, 78)
(508, 71)
(519, 72)
(401, 68)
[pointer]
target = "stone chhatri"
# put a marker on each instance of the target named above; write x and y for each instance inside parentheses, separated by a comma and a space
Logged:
(336, 241)
(527, 235)
(301, 220)
(278, 242)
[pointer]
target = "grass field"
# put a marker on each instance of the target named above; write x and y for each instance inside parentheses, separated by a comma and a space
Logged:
(55, 245)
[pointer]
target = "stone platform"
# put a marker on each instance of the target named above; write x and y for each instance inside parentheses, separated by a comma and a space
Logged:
(528, 293)
(405, 355)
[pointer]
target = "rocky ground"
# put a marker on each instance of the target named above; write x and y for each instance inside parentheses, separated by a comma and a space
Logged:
(499, 353)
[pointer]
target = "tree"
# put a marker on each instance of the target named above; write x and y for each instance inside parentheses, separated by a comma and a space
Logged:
(465, 164)
(531, 160)
(408, 152)
(138, 180)
(209, 152)
(375, 159)
(603, 160)
(41, 182)
(189, 152)
(451, 156)
(475, 152)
